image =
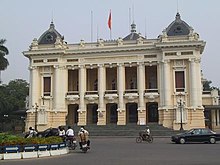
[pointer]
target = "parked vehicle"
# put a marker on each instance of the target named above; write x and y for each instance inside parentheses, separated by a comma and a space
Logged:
(148, 139)
(196, 135)
(48, 132)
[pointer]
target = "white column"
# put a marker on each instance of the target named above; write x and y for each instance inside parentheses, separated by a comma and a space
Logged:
(193, 84)
(101, 86)
(82, 87)
(161, 85)
(199, 83)
(141, 84)
(34, 86)
(60, 88)
(166, 84)
(121, 86)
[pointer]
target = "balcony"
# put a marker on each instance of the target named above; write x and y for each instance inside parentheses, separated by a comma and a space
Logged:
(131, 94)
(111, 95)
(151, 94)
(72, 95)
(91, 96)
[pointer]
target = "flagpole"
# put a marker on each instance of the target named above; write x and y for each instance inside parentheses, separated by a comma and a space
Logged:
(91, 26)
(110, 24)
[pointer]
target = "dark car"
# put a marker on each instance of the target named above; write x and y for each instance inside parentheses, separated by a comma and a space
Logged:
(49, 132)
(196, 135)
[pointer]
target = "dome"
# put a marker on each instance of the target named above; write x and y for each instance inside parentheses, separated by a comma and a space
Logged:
(49, 36)
(178, 27)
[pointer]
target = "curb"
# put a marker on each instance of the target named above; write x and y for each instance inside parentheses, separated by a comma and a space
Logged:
(34, 151)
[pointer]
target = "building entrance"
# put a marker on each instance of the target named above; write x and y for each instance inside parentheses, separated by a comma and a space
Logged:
(92, 114)
(131, 113)
(152, 112)
(111, 113)
(72, 117)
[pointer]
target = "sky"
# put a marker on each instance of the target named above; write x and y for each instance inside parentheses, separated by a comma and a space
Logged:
(23, 20)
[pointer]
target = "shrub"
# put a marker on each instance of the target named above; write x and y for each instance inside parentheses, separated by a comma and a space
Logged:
(7, 139)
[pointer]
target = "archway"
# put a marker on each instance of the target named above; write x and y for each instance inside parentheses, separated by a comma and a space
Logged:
(72, 116)
(92, 114)
(152, 112)
(111, 113)
(131, 112)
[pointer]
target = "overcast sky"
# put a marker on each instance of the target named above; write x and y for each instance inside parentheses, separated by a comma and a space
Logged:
(23, 20)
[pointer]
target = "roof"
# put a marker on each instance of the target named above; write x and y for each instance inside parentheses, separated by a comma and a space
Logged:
(178, 27)
(49, 36)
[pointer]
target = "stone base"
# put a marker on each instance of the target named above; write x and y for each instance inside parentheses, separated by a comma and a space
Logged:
(26, 155)
(54, 152)
(7, 156)
(43, 153)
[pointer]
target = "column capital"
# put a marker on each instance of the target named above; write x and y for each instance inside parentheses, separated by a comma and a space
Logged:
(196, 60)
(100, 65)
(32, 67)
(120, 64)
(81, 66)
(165, 61)
(140, 63)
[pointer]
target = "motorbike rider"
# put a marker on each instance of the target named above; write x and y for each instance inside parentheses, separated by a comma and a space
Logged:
(146, 133)
(70, 134)
(61, 132)
(83, 137)
(31, 133)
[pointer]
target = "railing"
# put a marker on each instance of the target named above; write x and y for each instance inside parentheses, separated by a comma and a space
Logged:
(151, 91)
(47, 93)
(91, 93)
(131, 91)
(72, 93)
(206, 92)
(111, 92)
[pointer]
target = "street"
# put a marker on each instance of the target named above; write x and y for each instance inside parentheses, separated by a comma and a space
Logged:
(125, 151)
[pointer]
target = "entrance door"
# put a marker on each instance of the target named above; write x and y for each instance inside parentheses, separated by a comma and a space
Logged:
(152, 113)
(92, 114)
(131, 112)
(112, 113)
(72, 117)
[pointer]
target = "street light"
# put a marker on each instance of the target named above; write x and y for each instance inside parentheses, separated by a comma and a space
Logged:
(35, 124)
(181, 106)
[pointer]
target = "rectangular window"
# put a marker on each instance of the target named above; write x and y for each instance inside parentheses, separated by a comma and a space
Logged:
(47, 86)
(151, 77)
(73, 80)
(179, 81)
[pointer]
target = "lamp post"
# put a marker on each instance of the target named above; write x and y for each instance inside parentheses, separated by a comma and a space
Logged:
(35, 124)
(181, 105)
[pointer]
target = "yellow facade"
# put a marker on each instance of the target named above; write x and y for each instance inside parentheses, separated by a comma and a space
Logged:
(128, 80)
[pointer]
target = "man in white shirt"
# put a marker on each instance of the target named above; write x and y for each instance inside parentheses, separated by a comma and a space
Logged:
(69, 132)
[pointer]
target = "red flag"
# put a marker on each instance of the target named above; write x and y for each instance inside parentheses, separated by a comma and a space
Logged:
(110, 20)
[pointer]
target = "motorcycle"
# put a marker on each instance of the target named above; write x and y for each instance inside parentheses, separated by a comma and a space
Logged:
(85, 146)
(71, 143)
(148, 139)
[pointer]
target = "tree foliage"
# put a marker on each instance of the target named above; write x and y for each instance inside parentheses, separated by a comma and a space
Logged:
(13, 96)
(3, 51)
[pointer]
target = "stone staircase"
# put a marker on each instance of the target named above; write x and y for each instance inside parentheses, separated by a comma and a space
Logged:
(128, 130)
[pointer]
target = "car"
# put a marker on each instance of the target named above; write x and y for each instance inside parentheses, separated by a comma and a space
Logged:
(48, 132)
(196, 135)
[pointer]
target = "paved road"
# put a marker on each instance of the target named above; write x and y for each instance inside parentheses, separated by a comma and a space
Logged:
(125, 151)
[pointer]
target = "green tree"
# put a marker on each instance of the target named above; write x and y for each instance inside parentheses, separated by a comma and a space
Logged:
(207, 85)
(13, 96)
(3, 61)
